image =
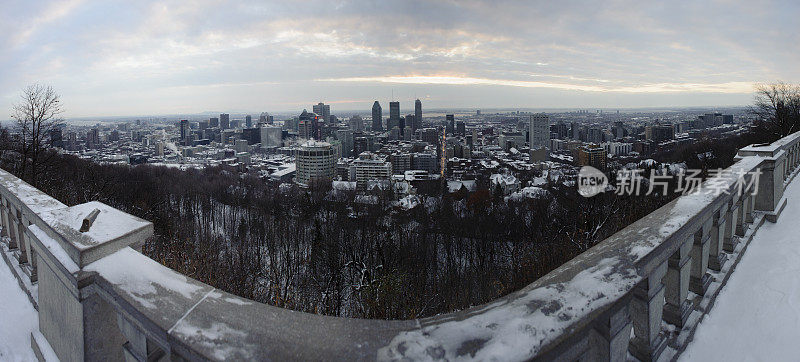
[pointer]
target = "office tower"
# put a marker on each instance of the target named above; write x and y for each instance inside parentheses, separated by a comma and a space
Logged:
(345, 136)
(425, 161)
(595, 134)
(394, 115)
(248, 121)
(360, 144)
(316, 162)
(368, 167)
(251, 135)
(213, 122)
(450, 126)
(461, 128)
(561, 129)
(184, 130)
(429, 135)
(311, 122)
(271, 136)
(56, 137)
(356, 123)
(305, 129)
(401, 162)
(592, 155)
(659, 133)
(323, 110)
(93, 138)
(539, 130)
(727, 119)
(417, 116)
(224, 120)
(265, 118)
(619, 130)
(377, 117)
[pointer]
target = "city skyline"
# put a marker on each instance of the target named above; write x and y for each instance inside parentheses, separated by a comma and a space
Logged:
(171, 58)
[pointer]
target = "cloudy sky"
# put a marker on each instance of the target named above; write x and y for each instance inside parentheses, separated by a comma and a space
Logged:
(144, 57)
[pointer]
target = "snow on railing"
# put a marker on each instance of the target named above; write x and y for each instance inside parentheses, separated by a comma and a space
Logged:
(641, 291)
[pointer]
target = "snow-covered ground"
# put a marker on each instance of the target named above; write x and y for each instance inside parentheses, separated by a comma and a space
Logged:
(757, 314)
(17, 319)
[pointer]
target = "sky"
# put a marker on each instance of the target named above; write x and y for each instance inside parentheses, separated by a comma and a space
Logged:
(118, 58)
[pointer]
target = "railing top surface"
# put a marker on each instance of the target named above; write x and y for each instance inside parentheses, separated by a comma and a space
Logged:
(110, 224)
(774, 146)
(217, 325)
(24, 194)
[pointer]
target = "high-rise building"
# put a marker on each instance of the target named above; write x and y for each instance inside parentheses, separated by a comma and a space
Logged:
(323, 110)
(93, 138)
(450, 126)
(394, 115)
(213, 122)
(539, 130)
(305, 129)
(265, 118)
(345, 136)
(56, 137)
(184, 130)
(659, 133)
(271, 136)
(316, 162)
(248, 121)
(461, 128)
(377, 117)
(592, 155)
(429, 135)
(312, 125)
(401, 162)
(356, 123)
(394, 110)
(224, 120)
(417, 116)
(368, 167)
(595, 134)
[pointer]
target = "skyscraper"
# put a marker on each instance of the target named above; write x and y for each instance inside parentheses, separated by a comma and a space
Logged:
(248, 121)
(539, 129)
(316, 162)
(394, 110)
(450, 127)
(356, 123)
(224, 121)
(323, 110)
(184, 130)
(417, 116)
(377, 117)
(270, 136)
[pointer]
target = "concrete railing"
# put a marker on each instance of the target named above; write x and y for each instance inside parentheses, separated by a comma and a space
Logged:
(100, 299)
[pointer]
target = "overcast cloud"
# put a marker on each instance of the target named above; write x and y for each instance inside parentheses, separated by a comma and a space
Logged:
(144, 57)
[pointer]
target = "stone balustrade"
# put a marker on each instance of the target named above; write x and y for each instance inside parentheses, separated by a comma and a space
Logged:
(642, 291)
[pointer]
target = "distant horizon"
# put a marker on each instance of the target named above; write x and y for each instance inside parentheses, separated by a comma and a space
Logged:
(346, 113)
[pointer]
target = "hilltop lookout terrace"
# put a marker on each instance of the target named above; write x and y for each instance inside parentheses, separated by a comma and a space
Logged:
(643, 293)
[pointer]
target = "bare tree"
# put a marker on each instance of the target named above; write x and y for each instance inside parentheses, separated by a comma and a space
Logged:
(778, 105)
(36, 115)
